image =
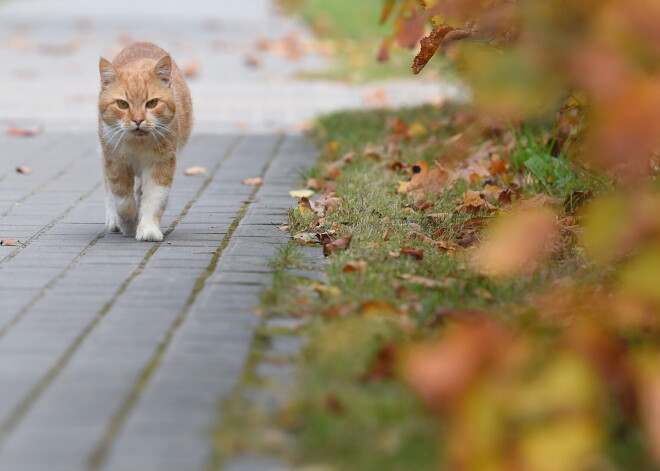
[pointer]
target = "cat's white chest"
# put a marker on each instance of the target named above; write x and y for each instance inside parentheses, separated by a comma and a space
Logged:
(139, 154)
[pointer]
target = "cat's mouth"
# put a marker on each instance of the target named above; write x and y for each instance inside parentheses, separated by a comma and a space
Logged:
(139, 132)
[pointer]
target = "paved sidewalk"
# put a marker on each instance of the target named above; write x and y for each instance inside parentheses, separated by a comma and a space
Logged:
(114, 354)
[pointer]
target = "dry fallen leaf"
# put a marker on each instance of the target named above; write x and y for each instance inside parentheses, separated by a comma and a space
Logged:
(474, 202)
(9, 242)
(191, 69)
(337, 245)
(353, 267)
(422, 204)
(252, 61)
(425, 180)
(305, 237)
(325, 290)
(253, 181)
(24, 132)
(24, 170)
(387, 234)
(379, 308)
(301, 193)
(412, 252)
(416, 129)
(428, 282)
(429, 45)
(196, 170)
(284, 228)
(518, 241)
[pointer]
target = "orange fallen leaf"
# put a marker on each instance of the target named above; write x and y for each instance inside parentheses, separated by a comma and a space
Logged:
(337, 245)
(23, 170)
(473, 202)
(325, 290)
(313, 184)
(9, 242)
(195, 170)
(253, 181)
(24, 132)
(379, 308)
(332, 173)
(425, 180)
(421, 204)
(387, 234)
(518, 241)
(412, 252)
(441, 372)
(498, 166)
(191, 69)
(355, 267)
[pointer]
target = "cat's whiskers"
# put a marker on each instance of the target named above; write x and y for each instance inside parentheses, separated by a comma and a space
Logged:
(159, 133)
(167, 129)
(121, 136)
(114, 129)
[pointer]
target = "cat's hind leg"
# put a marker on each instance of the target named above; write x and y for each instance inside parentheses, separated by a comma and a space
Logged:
(156, 182)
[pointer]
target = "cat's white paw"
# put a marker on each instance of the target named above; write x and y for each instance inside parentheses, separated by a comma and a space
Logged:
(111, 224)
(148, 232)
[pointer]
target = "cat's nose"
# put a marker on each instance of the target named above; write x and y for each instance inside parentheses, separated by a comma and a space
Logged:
(138, 121)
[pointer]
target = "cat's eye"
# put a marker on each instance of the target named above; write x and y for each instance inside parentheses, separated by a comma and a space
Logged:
(151, 103)
(122, 104)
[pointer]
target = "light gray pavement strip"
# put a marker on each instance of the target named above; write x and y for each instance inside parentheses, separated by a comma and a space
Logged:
(50, 53)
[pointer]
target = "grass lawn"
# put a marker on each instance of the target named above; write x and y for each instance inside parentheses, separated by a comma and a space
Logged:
(408, 274)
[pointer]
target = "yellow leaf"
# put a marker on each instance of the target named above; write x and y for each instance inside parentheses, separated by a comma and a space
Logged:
(301, 193)
(416, 129)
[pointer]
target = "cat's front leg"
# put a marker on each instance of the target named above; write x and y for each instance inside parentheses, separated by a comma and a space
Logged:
(119, 180)
(111, 224)
(156, 182)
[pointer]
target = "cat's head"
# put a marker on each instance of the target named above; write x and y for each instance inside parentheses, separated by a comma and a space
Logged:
(138, 100)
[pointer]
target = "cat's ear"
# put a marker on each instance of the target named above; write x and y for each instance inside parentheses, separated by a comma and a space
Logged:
(163, 70)
(107, 71)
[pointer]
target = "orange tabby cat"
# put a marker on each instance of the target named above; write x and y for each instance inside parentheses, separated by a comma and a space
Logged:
(145, 117)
